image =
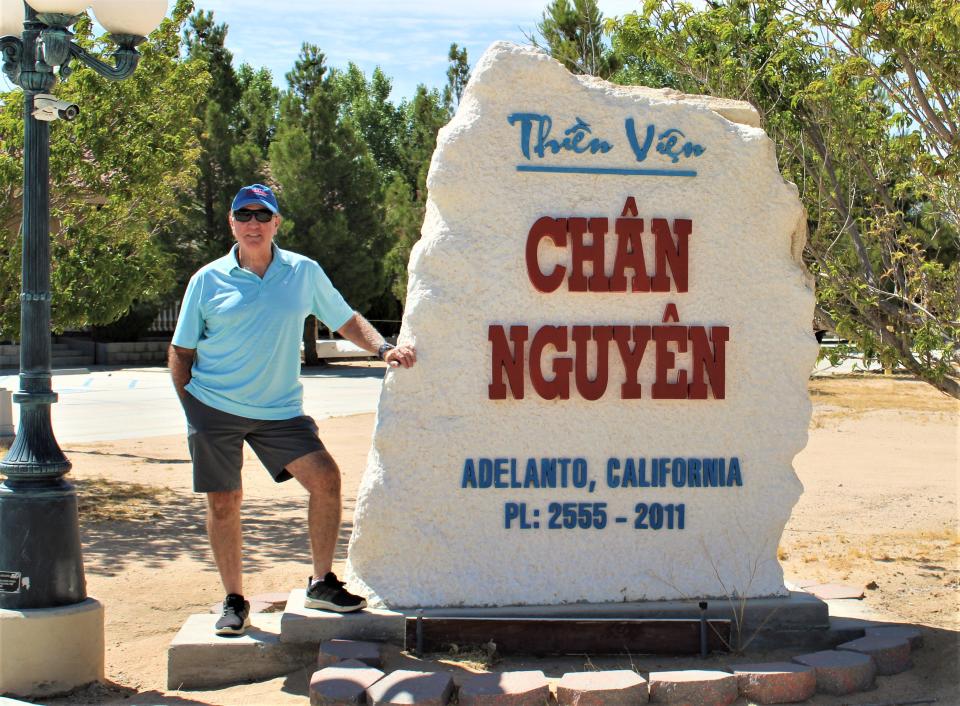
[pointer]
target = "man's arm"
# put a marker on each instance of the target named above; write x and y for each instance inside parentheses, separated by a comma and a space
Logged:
(358, 330)
(180, 361)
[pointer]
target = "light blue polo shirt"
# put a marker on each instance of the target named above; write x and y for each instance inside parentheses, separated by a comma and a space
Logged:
(247, 332)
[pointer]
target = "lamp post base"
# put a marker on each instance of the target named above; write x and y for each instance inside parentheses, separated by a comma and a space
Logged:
(41, 564)
(51, 650)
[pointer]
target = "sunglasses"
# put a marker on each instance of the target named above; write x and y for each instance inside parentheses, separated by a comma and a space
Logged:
(245, 215)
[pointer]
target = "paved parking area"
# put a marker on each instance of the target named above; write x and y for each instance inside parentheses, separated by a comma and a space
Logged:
(105, 404)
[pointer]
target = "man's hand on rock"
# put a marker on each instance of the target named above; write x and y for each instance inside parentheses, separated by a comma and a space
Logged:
(401, 356)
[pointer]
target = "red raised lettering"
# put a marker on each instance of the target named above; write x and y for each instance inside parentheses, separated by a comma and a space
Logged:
(632, 344)
(670, 254)
(712, 361)
(556, 230)
(559, 385)
(666, 360)
(592, 389)
(629, 255)
(505, 360)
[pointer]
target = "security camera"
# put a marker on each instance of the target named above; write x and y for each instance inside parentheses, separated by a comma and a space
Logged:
(47, 107)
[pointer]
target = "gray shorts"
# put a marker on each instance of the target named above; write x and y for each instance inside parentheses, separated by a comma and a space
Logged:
(216, 441)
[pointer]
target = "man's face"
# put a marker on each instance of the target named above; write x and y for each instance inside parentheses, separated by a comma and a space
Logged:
(252, 235)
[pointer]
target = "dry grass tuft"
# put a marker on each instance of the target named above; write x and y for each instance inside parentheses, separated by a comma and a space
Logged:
(103, 500)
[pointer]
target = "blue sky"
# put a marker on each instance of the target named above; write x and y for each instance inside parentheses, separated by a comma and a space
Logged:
(408, 39)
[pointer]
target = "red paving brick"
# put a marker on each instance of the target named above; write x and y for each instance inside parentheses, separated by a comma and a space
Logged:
(345, 683)
(775, 682)
(907, 632)
(890, 654)
(839, 671)
(407, 687)
(693, 687)
(505, 689)
(620, 687)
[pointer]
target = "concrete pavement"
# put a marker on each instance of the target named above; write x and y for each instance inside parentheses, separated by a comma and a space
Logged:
(106, 404)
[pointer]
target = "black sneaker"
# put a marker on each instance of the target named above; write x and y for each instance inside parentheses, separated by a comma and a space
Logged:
(235, 618)
(330, 594)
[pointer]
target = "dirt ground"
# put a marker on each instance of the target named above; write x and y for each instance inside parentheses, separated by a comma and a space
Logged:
(879, 513)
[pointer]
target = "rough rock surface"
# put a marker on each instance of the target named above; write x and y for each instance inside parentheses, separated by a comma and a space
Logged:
(692, 159)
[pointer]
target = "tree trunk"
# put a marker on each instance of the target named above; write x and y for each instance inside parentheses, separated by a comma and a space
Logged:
(310, 358)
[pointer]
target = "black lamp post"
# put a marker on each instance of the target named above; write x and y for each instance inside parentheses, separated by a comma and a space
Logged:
(41, 564)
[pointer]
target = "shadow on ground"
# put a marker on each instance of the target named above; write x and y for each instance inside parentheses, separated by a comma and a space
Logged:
(274, 530)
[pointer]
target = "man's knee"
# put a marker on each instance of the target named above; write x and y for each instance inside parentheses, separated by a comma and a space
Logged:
(317, 472)
(224, 505)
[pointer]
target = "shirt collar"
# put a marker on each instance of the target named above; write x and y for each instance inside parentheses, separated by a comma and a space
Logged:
(228, 263)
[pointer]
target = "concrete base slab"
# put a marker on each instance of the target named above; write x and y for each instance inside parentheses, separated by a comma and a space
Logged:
(301, 624)
(199, 659)
(51, 650)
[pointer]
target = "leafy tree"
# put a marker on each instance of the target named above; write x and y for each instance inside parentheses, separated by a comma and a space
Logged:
(367, 107)
(573, 34)
(115, 172)
(458, 74)
(236, 122)
(880, 185)
(406, 195)
(330, 186)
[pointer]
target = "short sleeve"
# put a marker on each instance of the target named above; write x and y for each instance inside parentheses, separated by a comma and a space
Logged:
(190, 323)
(328, 304)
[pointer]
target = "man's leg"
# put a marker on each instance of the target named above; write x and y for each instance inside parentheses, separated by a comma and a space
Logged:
(320, 475)
(223, 529)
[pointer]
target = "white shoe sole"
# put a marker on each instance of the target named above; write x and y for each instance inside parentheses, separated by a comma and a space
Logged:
(234, 631)
(324, 605)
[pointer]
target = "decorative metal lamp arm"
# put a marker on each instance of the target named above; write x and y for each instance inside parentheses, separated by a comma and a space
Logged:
(11, 48)
(125, 58)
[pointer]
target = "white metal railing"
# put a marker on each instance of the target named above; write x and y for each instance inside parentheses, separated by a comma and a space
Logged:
(166, 319)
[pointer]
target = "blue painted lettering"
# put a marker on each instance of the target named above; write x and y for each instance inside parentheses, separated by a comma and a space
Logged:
(679, 472)
(693, 472)
(613, 478)
(486, 473)
(579, 473)
(531, 478)
(469, 475)
(639, 151)
(668, 143)
(710, 472)
(735, 477)
(577, 138)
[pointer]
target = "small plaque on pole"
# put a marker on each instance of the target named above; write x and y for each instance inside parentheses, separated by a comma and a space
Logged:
(10, 581)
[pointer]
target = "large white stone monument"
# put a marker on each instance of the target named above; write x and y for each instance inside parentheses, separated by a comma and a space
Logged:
(613, 326)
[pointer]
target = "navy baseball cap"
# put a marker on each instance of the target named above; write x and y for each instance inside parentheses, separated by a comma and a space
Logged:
(255, 193)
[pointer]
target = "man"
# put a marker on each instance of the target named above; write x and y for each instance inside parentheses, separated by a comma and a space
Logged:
(235, 363)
